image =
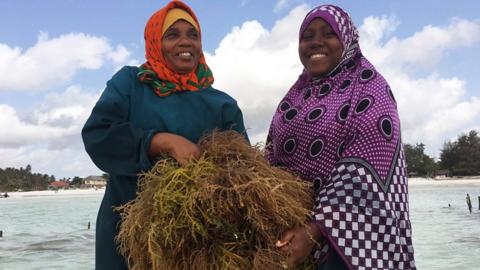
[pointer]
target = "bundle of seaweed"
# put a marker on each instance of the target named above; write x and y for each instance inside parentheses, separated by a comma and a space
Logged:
(224, 210)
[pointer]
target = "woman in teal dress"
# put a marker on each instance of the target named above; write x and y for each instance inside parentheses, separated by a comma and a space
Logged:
(162, 107)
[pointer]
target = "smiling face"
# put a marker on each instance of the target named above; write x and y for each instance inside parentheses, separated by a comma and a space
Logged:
(320, 49)
(181, 47)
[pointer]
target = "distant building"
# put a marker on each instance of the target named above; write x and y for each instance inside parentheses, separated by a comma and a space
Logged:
(412, 174)
(58, 185)
(94, 182)
(441, 174)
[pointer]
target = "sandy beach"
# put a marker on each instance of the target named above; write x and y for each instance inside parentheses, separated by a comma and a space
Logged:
(59, 193)
(414, 181)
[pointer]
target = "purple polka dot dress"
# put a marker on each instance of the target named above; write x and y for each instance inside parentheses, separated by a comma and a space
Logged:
(342, 132)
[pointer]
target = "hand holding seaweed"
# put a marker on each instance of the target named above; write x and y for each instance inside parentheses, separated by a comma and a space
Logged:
(224, 210)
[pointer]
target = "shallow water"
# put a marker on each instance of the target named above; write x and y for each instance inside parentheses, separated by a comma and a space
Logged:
(48, 232)
(51, 232)
(445, 237)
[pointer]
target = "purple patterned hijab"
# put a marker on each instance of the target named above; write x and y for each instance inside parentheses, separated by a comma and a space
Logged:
(342, 132)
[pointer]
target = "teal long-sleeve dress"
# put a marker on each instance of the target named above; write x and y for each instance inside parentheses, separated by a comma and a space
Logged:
(117, 136)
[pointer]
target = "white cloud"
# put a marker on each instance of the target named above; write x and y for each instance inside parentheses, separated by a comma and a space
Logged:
(15, 132)
(281, 4)
(74, 105)
(54, 61)
(48, 137)
(432, 108)
(257, 66)
(120, 55)
(375, 28)
(423, 49)
(58, 116)
(66, 162)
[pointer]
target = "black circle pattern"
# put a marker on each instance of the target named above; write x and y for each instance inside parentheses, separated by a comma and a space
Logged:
(343, 113)
(345, 84)
(317, 183)
(341, 148)
(324, 90)
(315, 114)
(366, 75)
(385, 125)
(284, 106)
(350, 64)
(290, 114)
(308, 93)
(289, 146)
(316, 148)
(363, 105)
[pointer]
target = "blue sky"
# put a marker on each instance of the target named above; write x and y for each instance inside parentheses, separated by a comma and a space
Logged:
(55, 57)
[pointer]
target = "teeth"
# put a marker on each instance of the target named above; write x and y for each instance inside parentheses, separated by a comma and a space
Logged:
(185, 54)
(316, 56)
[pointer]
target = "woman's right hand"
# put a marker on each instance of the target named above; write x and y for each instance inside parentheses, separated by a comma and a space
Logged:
(178, 147)
(297, 243)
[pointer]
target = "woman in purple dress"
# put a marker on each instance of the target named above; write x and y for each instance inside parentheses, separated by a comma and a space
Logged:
(338, 127)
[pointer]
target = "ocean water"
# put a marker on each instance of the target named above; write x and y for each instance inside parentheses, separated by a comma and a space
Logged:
(48, 232)
(445, 237)
(51, 232)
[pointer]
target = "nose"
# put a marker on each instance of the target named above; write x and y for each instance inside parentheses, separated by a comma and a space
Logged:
(184, 41)
(317, 41)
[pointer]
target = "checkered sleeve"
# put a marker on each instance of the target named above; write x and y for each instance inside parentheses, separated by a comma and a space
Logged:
(367, 227)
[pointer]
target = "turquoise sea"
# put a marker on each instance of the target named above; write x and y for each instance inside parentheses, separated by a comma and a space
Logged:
(51, 232)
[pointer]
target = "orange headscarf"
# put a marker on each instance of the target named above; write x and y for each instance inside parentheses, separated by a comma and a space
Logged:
(155, 71)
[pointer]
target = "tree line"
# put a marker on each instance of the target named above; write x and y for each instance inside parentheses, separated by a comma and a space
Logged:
(457, 158)
(13, 179)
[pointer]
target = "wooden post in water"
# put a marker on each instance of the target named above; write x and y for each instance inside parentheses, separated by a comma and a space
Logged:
(469, 203)
(88, 226)
(1, 233)
(478, 202)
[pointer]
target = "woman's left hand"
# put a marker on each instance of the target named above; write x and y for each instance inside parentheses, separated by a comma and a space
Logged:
(298, 243)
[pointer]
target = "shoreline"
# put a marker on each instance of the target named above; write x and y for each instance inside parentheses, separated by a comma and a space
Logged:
(418, 181)
(414, 181)
(53, 193)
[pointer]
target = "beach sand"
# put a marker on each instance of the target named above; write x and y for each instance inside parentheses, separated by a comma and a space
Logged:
(59, 193)
(414, 181)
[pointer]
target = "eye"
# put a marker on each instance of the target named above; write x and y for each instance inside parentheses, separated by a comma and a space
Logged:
(307, 35)
(193, 35)
(330, 34)
(170, 35)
